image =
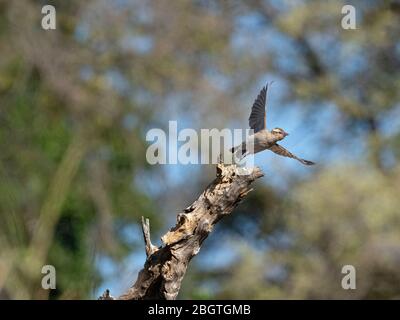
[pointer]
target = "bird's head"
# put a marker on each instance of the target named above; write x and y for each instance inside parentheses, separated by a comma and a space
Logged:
(279, 133)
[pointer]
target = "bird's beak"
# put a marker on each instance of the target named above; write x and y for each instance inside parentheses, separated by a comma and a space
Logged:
(286, 134)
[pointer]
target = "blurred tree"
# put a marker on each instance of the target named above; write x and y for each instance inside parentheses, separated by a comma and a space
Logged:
(76, 102)
(62, 137)
(75, 105)
(344, 215)
(297, 238)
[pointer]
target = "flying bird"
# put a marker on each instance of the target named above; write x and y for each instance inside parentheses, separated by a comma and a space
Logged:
(262, 138)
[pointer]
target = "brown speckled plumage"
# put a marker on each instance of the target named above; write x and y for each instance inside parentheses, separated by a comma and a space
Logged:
(263, 139)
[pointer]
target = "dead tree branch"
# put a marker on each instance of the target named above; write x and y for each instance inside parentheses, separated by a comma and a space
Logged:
(166, 266)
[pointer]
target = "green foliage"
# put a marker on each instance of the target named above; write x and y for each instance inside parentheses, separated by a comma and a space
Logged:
(76, 102)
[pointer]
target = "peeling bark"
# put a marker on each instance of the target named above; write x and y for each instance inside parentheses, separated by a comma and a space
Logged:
(166, 266)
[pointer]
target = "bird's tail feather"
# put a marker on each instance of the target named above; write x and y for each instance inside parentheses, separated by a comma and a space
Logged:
(306, 162)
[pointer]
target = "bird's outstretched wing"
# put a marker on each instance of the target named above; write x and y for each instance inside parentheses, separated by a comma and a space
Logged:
(278, 149)
(257, 119)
